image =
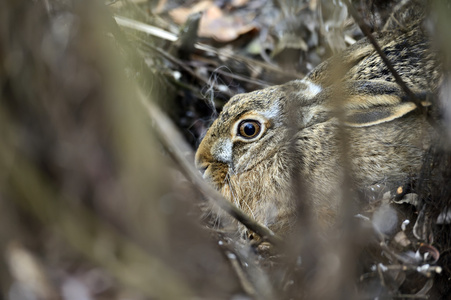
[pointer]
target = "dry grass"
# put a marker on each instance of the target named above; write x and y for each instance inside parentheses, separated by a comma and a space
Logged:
(98, 195)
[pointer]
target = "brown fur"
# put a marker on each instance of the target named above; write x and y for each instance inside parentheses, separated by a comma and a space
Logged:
(386, 138)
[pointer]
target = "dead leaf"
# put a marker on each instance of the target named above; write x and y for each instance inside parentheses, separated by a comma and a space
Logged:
(180, 14)
(223, 28)
(28, 272)
(214, 23)
(401, 239)
(160, 6)
(238, 3)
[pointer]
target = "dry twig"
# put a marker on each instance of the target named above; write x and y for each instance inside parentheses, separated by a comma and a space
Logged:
(182, 154)
(366, 31)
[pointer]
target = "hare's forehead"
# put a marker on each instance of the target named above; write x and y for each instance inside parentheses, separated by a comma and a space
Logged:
(264, 102)
(271, 100)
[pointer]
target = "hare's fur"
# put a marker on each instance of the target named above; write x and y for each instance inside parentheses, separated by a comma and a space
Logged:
(348, 104)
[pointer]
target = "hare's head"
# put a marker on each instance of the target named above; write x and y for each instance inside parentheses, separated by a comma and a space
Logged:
(246, 152)
(251, 151)
(251, 128)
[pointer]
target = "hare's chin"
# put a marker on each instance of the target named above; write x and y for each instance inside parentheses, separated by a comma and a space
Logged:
(215, 173)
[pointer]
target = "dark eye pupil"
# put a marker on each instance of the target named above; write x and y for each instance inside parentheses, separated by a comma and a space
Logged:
(249, 129)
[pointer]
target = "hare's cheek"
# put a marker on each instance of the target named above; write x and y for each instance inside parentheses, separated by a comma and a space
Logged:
(216, 174)
(222, 151)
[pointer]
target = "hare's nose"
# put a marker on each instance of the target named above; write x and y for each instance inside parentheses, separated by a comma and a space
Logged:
(201, 162)
(203, 157)
(202, 168)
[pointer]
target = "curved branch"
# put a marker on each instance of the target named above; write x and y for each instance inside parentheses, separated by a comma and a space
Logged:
(181, 153)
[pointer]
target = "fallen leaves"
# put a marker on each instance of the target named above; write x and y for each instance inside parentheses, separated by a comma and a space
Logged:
(219, 24)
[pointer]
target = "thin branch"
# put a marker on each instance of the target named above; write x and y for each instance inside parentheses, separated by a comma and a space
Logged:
(245, 282)
(152, 30)
(425, 269)
(366, 31)
(261, 83)
(162, 34)
(182, 154)
(82, 230)
(177, 61)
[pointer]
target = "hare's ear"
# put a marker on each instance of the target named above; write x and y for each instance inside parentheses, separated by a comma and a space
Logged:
(377, 115)
(374, 102)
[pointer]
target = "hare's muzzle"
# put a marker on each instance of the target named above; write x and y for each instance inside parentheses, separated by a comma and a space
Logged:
(203, 158)
(202, 168)
(201, 161)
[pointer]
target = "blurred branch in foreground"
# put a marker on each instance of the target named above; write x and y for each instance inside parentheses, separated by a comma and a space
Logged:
(81, 172)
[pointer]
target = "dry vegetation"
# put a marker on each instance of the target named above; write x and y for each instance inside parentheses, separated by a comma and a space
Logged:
(101, 107)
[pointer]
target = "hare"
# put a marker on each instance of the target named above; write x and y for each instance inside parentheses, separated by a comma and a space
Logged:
(265, 141)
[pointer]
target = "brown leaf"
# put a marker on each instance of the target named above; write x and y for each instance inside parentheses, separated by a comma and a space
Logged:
(223, 28)
(214, 23)
(239, 3)
(180, 14)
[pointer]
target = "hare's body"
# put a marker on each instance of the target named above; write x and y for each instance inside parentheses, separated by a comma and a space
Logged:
(268, 141)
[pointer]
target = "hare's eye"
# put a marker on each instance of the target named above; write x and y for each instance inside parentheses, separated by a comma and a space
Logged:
(249, 129)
